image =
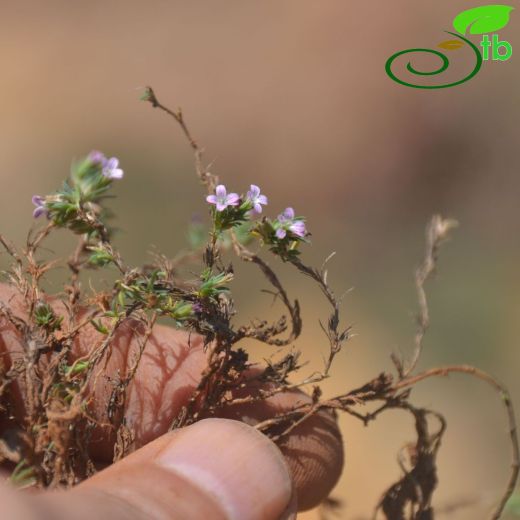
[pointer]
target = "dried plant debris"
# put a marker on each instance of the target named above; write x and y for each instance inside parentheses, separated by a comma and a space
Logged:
(48, 443)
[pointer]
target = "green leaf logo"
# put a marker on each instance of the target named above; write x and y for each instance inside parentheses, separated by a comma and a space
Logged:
(484, 19)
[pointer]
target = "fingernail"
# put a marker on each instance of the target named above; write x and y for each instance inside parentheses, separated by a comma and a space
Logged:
(241, 469)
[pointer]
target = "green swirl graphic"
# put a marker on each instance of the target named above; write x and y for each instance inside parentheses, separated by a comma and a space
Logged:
(445, 64)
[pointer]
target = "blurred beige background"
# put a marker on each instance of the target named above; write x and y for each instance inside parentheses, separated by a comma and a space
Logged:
(292, 95)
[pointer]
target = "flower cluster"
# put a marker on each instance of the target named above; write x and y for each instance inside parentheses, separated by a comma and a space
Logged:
(252, 202)
(109, 167)
(287, 222)
(230, 209)
(76, 205)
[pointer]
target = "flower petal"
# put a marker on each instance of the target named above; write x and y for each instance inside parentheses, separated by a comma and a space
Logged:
(117, 173)
(112, 163)
(255, 191)
(262, 199)
(288, 213)
(212, 199)
(39, 211)
(258, 208)
(280, 233)
(96, 156)
(221, 206)
(298, 228)
(232, 199)
(37, 200)
(220, 190)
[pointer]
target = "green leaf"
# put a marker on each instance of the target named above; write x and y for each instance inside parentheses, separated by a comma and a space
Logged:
(100, 256)
(77, 367)
(197, 234)
(23, 475)
(513, 505)
(99, 327)
(483, 19)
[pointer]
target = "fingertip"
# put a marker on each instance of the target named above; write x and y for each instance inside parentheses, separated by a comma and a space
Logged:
(236, 464)
(216, 468)
(313, 451)
(315, 456)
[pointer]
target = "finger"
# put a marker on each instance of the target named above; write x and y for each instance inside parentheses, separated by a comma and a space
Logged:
(167, 375)
(313, 450)
(216, 468)
(14, 505)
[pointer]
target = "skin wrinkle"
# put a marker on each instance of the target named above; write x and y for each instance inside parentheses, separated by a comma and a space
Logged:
(314, 451)
(154, 415)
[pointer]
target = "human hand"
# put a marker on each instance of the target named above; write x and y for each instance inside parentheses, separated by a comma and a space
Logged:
(216, 468)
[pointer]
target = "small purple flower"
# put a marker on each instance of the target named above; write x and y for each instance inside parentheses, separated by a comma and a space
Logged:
(222, 199)
(96, 156)
(286, 222)
(197, 307)
(256, 198)
(40, 209)
(111, 168)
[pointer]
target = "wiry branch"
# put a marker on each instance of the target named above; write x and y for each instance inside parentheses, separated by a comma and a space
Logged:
(267, 334)
(206, 177)
(335, 336)
(437, 232)
(506, 400)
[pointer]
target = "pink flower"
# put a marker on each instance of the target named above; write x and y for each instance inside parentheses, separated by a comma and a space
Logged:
(287, 222)
(111, 168)
(256, 198)
(96, 156)
(40, 209)
(222, 199)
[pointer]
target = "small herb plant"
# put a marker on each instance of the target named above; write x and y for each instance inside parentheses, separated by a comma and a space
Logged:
(53, 437)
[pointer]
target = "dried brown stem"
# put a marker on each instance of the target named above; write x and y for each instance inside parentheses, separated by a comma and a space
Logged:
(334, 335)
(436, 233)
(206, 177)
(266, 335)
(506, 400)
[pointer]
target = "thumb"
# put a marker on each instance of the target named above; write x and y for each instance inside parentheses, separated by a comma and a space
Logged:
(216, 468)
